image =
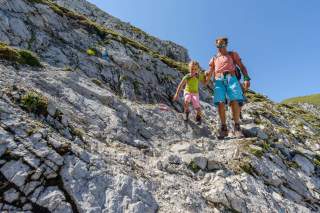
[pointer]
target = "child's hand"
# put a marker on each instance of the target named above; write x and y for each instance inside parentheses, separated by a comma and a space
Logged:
(175, 97)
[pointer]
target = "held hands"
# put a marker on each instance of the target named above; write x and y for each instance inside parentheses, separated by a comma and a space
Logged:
(207, 77)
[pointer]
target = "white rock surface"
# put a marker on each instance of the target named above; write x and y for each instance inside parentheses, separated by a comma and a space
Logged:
(106, 144)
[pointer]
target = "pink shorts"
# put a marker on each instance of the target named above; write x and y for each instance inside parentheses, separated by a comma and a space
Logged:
(194, 98)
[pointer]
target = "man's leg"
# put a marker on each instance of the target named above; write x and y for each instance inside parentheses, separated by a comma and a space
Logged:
(219, 101)
(222, 113)
(235, 95)
(235, 108)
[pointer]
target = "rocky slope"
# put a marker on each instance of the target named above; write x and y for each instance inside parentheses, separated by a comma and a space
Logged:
(166, 48)
(82, 133)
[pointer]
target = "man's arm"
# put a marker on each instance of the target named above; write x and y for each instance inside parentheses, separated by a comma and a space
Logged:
(244, 70)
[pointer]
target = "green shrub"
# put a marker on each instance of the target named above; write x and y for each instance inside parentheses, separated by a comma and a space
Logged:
(266, 146)
(19, 56)
(293, 164)
(255, 97)
(92, 27)
(35, 102)
(258, 153)
(37, 1)
(91, 52)
(29, 58)
(193, 167)
(67, 69)
(312, 99)
(246, 167)
(97, 82)
(9, 53)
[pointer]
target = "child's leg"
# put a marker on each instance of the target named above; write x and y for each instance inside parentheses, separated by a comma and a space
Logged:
(186, 106)
(196, 105)
(187, 99)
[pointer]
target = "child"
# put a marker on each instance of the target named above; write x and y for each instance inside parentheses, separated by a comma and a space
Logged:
(191, 91)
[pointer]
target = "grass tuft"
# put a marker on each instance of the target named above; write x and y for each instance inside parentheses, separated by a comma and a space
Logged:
(193, 167)
(311, 99)
(18, 55)
(35, 102)
(91, 52)
(103, 31)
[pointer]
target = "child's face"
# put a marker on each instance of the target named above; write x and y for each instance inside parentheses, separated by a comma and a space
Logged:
(194, 69)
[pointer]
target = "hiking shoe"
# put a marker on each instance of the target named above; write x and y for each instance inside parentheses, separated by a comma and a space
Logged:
(198, 118)
(241, 117)
(223, 132)
(186, 116)
(237, 131)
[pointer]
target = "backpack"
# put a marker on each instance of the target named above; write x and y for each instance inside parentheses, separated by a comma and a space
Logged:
(238, 69)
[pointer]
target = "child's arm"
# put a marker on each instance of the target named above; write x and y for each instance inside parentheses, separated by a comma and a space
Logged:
(181, 85)
(203, 77)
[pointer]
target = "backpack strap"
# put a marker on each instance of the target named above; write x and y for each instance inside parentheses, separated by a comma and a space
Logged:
(231, 55)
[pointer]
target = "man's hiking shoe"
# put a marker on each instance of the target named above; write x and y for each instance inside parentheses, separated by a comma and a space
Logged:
(241, 115)
(223, 132)
(237, 131)
(186, 116)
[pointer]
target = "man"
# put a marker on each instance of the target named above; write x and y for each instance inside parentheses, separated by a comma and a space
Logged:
(227, 86)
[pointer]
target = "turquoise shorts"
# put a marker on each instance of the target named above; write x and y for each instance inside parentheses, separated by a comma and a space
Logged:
(227, 89)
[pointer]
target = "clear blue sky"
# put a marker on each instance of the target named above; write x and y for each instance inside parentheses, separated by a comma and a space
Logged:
(278, 40)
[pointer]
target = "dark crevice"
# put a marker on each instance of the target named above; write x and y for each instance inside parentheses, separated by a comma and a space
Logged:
(5, 185)
(58, 182)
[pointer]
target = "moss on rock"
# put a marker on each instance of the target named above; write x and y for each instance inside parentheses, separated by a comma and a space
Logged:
(91, 52)
(257, 152)
(103, 31)
(18, 55)
(193, 167)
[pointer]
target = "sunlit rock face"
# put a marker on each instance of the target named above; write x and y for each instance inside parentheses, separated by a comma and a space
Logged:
(87, 125)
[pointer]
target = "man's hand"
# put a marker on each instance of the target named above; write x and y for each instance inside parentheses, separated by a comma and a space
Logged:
(246, 85)
(175, 97)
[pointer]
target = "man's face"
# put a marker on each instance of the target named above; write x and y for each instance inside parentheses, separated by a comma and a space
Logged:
(221, 43)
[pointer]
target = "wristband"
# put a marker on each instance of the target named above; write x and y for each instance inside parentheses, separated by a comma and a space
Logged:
(246, 78)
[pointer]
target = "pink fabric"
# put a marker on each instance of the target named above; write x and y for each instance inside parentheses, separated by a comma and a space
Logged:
(194, 98)
(224, 63)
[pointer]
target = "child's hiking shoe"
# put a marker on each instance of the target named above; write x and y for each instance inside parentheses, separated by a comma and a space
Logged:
(198, 118)
(186, 116)
(237, 131)
(223, 132)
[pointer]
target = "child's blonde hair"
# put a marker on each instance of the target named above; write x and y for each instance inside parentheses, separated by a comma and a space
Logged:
(193, 63)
